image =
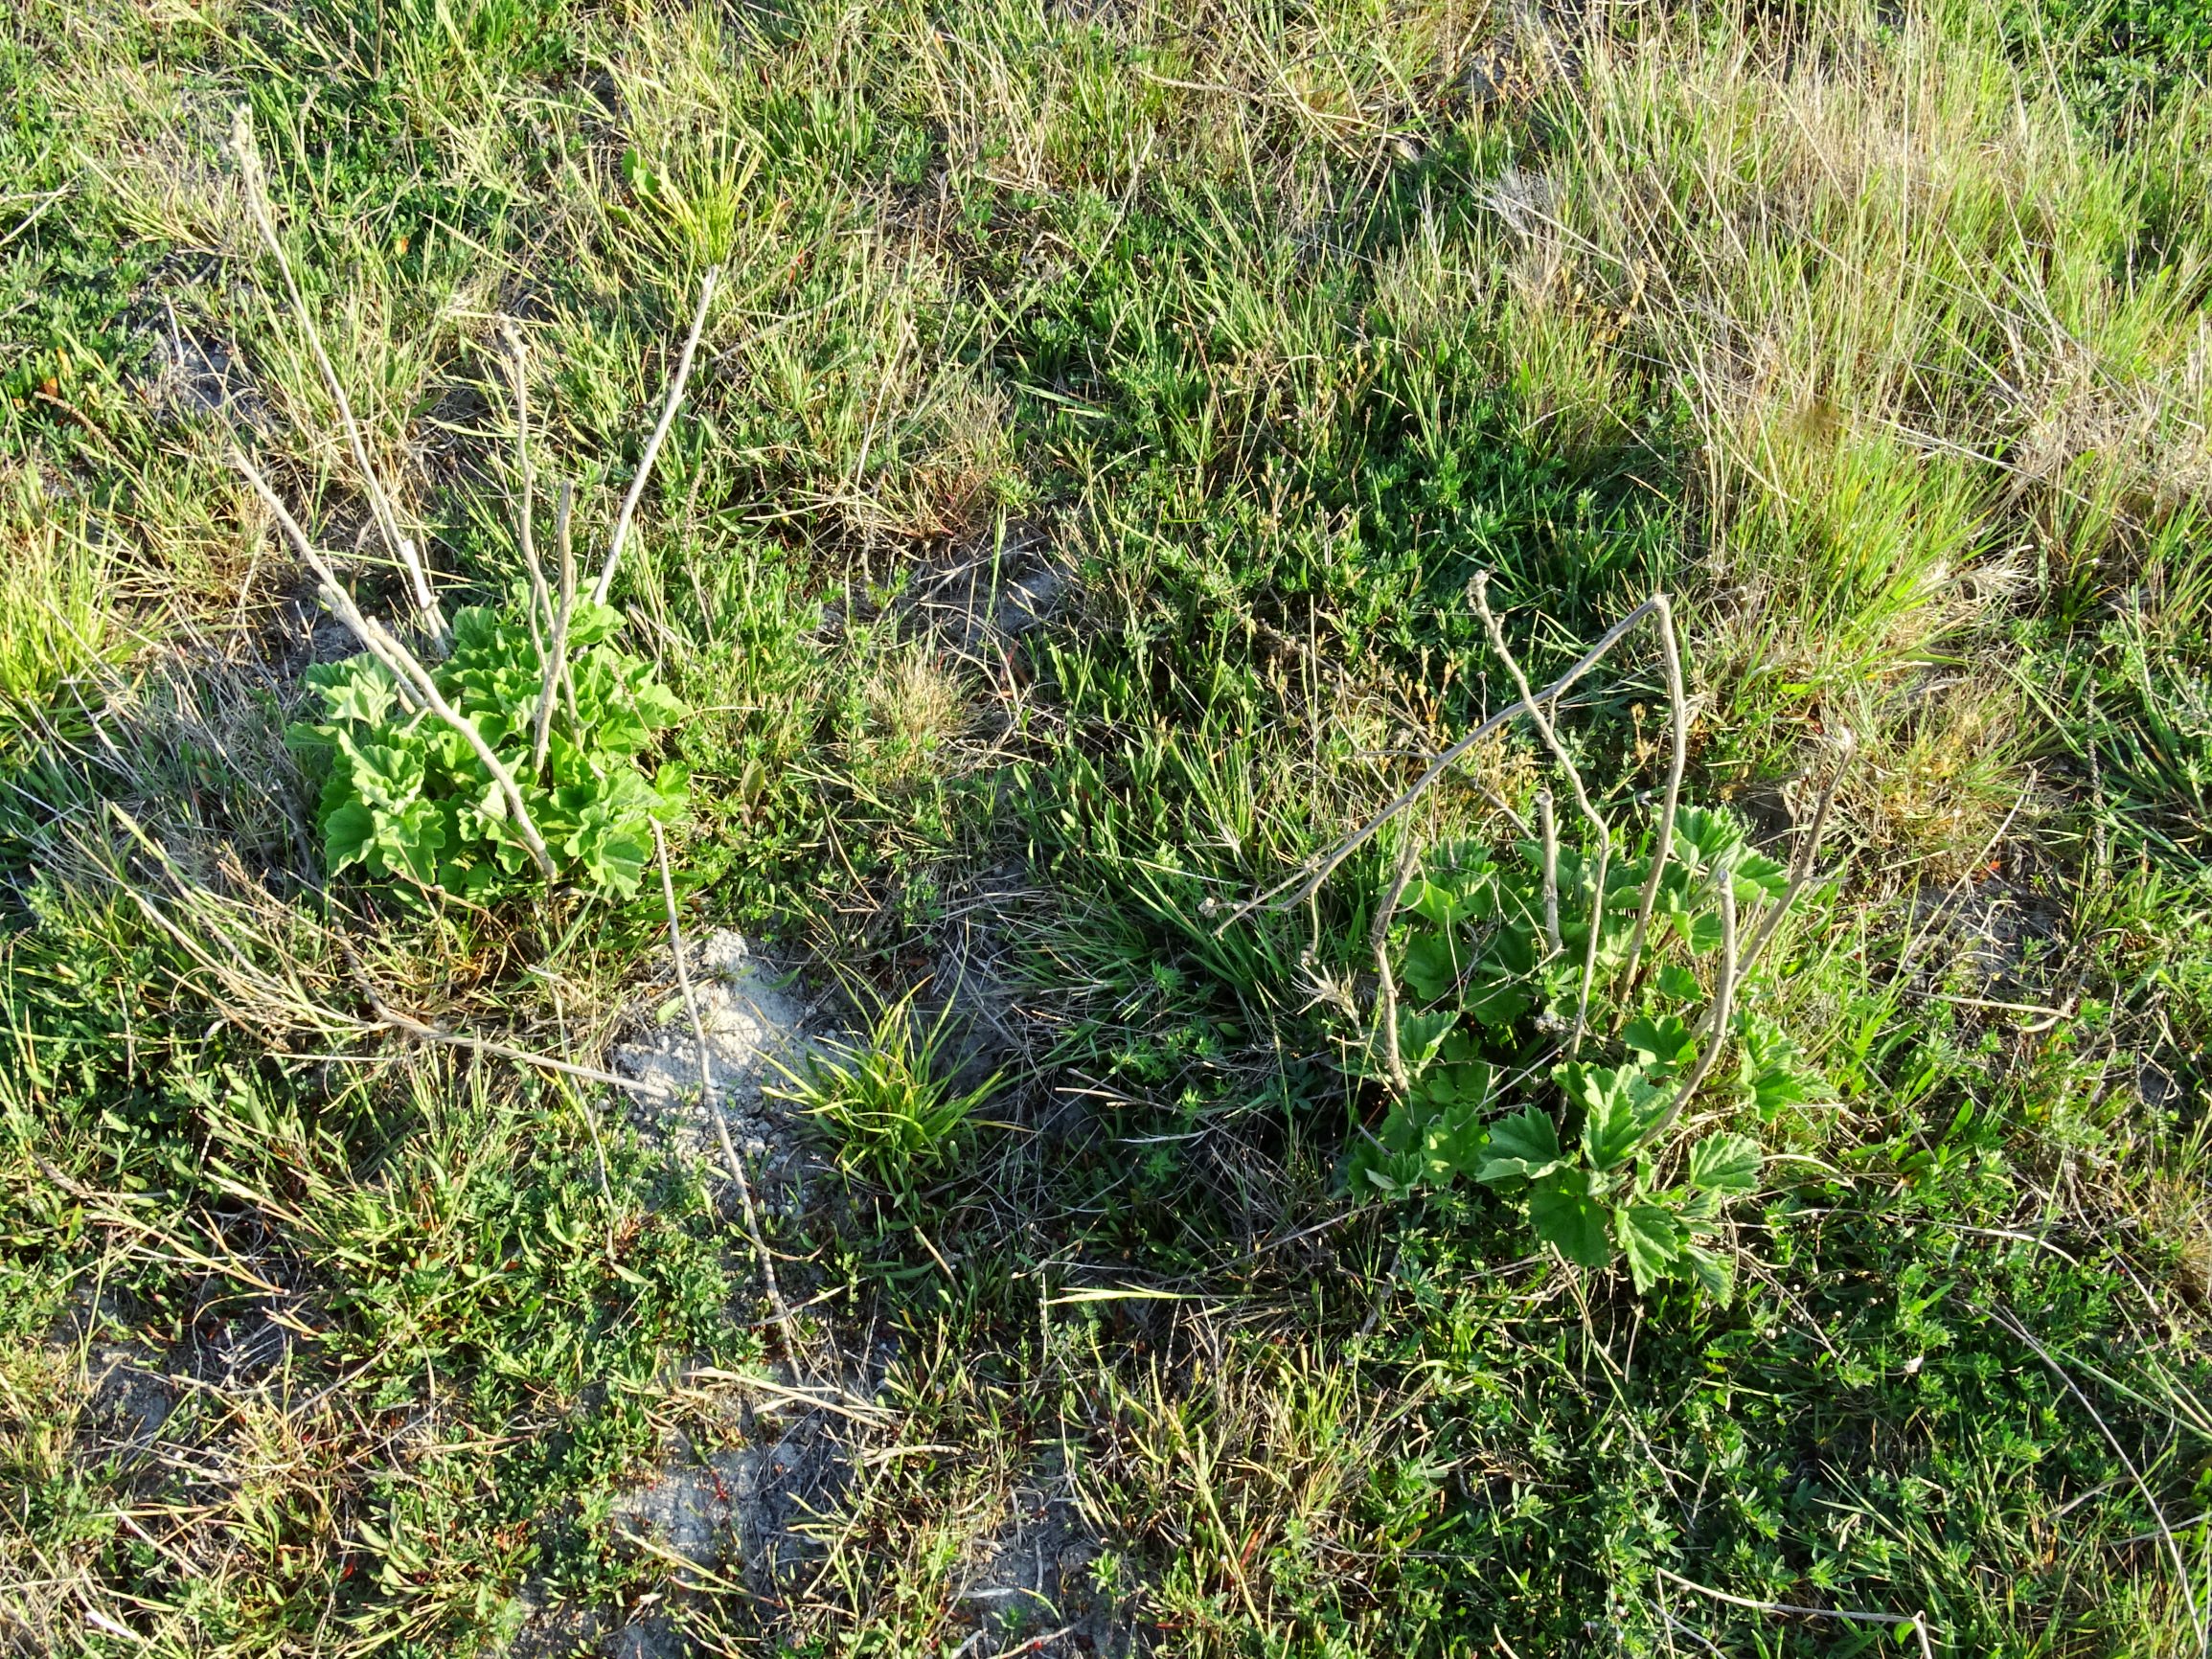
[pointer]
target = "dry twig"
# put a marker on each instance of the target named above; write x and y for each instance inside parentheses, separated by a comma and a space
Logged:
(746, 1206)
(660, 432)
(1289, 895)
(1663, 842)
(1379, 940)
(1480, 593)
(1918, 1622)
(380, 503)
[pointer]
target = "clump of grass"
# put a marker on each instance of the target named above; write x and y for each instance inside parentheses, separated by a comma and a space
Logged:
(891, 1102)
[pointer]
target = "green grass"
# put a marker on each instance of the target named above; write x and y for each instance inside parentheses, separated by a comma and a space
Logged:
(1252, 333)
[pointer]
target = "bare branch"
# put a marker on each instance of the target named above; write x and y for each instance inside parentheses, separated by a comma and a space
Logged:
(553, 667)
(1715, 1024)
(379, 499)
(668, 415)
(1283, 897)
(539, 600)
(1596, 819)
(1547, 827)
(1379, 940)
(1663, 843)
(1808, 854)
(751, 1216)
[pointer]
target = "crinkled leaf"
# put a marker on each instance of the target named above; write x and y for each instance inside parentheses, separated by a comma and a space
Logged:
(589, 623)
(1562, 1215)
(384, 775)
(1523, 1147)
(348, 834)
(1380, 1171)
(671, 788)
(1678, 982)
(1776, 1088)
(1769, 1067)
(1726, 1162)
(1453, 1142)
(408, 840)
(1420, 1035)
(1700, 930)
(1661, 1042)
(1618, 1106)
(1458, 1083)
(1705, 837)
(1500, 989)
(1712, 1273)
(1429, 965)
(1758, 875)
(360, 689)
(619, 860)
(1699, 1209)
(1498, 1005)
(1652, 1240)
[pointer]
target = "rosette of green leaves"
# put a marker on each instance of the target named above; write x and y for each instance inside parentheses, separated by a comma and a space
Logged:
(406, 798)
(1598, 1193)
(1487, 1000)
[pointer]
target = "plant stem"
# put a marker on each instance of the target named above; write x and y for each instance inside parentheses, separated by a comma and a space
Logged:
(1663, 843)
(552, 669)
(539, 600)
(380, 505)
(403, 665)
(668, 415)
(1480, 593)
(1379, 940)
(1547, 827)
(1716, 1021)
(714, 1116)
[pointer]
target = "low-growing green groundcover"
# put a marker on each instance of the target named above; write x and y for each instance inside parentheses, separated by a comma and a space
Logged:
(1871, 333)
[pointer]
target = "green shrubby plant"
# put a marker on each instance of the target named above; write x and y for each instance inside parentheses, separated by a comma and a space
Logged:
(1492, 996)
(406, 797)
(1608, 983)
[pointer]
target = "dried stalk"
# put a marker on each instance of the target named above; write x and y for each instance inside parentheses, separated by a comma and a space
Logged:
(751, 1216)
(540, 602)
(1282, 897)
(404, 667)
(380, 503)
(1917, 1620)
(1379, 940)
(553, 665)
(1547, 827)
(567, 604)
(1596, 819)
(660, 432)
(1663, 843)
(1808, 854)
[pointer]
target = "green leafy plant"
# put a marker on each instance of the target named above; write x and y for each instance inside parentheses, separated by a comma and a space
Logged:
(1581, 968)
(1492, 993)
(406, 797)
(890, 1101)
